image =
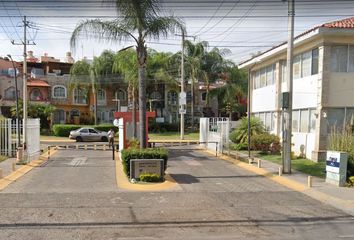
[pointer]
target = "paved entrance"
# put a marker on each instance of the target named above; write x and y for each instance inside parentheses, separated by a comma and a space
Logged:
(74, 196)
(70, 171)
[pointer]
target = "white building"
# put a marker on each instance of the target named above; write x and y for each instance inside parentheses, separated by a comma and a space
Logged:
(323, 85)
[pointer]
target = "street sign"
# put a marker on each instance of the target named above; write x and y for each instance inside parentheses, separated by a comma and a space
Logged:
(182, 98)
(182, 109)
(116, 122)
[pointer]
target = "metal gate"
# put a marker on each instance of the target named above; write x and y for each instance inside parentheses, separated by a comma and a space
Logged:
(9, 136)
(214, 133)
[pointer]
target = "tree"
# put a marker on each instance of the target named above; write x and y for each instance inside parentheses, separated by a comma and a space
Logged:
(138, 20)
(125, 63)
(235, 88)
(95, 74)
(194, 59)
(36, 110)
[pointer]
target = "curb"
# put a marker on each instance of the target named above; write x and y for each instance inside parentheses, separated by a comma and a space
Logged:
(12, 177)
(344, 205)
(123, 182)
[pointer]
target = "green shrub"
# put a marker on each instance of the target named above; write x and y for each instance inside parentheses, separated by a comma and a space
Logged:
(238, 146)
(145, 153)
(150, 177)
(133, 143)
(265, 143)
(63, 130)
(240, 134)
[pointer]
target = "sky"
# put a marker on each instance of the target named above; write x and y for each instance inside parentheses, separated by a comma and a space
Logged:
(243, 26)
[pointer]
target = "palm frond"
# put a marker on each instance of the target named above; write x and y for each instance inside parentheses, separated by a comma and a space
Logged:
(102, 30)
(162, 26)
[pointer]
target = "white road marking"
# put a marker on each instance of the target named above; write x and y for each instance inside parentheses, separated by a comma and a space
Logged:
(78, 161)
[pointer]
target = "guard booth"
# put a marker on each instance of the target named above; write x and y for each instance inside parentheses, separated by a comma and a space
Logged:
(125, 125)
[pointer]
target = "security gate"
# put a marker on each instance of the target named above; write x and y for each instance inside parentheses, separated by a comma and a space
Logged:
(214, 133)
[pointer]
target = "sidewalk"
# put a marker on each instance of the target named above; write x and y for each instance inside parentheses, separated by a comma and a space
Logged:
(6, 166)
(339, 197)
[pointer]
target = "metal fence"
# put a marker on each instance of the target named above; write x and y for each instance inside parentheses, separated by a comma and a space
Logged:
(9, 136)
(214, 133)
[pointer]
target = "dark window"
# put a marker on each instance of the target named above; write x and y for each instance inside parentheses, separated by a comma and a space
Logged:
(314, 69)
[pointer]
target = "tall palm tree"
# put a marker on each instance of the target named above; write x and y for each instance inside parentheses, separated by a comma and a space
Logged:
(138, 20)
(194, 59)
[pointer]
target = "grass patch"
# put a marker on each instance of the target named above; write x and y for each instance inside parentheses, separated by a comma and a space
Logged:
(301, 164)
(2, 158)
(173, 136)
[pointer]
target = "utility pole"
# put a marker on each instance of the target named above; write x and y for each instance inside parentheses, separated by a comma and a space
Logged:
(24, 70)
(183, 95)
(288, 97)
(182, 86)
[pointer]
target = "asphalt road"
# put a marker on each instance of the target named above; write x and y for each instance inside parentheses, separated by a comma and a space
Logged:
(74, 196)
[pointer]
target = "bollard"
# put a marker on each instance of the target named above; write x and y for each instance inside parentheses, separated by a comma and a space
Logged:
(85, 147)
(1, 175)
(104, 147)
(77, 146)
(13, 166)
(48, 152)
(19, 154)
(250, 160)
(66, 147)
(56, 147)
(259, 163)
(94, 147)
(309, 181)
(280, 171)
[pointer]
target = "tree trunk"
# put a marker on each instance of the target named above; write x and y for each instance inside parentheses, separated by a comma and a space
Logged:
(192, 104)
(94, 104)
(134, 113)
(207, 94)
(142, 54)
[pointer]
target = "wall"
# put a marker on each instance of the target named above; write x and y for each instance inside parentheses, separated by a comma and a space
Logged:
(264, 99)
(341, 87)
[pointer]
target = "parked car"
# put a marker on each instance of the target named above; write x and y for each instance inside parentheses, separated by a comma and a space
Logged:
(88, 135)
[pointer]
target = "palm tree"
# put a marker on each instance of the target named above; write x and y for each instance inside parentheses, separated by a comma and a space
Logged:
(138, 20)
(126, 64)
(194, 59)
(234, 89)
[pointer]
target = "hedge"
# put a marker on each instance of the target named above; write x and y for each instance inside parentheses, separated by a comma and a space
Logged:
(63, 130)
(155, 127)
(145, 153)
(150, 177)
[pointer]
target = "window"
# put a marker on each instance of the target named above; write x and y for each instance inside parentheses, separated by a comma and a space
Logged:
(75, 112)
(84, 130)
(339, 58)
(257, 80)
(349, 116)
(172, 97)
(314, 63)
(304, 120)
(270, 75)
(306, 64)
(155, 95)
(59, 92)
(59, 116)
(261, 117)
(312, 120)
(10, 93)
(92, 131)
(268, 121)
(335, 119)
(120, 94)
(263, 78)
(351, 58)
(80, 96)
(295, 123)
(296, 67)
(101, 97)
(283, 71)
(36, 95)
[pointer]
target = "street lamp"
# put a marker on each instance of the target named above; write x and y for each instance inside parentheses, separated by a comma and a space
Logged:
(16, 96)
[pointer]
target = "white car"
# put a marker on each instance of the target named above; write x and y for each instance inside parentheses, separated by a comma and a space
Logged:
(88, 135)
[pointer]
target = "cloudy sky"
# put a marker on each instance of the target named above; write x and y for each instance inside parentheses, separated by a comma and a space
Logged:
(243, 26)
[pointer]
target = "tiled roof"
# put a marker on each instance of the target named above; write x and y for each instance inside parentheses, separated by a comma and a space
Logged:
(344, 23)
(37, 83)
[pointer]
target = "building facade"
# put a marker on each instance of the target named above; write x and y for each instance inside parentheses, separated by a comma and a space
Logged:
(323, 83)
